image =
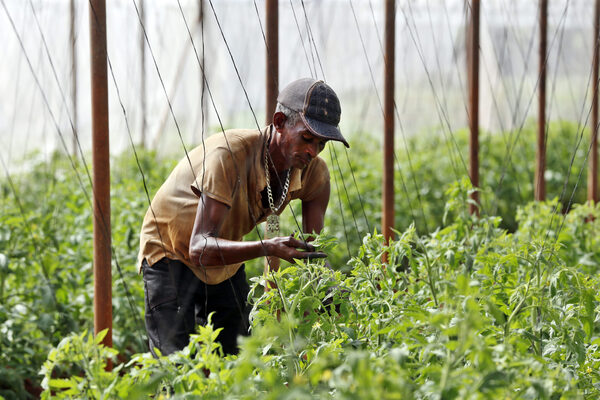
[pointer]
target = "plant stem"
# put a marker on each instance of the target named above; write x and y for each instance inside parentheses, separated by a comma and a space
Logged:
(516, 310)
(429, 278)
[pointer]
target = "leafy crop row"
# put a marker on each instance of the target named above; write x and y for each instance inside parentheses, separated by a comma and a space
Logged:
(467, 312)
(46, 248)
(431, 162)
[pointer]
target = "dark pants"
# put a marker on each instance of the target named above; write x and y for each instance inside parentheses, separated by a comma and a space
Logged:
(177, 301)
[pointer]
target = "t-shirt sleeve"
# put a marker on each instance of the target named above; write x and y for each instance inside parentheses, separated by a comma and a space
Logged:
(217, 177)
(314, 178)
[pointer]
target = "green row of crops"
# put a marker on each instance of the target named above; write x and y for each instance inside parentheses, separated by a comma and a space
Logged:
(481, 308)
(466, 312)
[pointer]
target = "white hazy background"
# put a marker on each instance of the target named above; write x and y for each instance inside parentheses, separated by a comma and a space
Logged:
(430, 67)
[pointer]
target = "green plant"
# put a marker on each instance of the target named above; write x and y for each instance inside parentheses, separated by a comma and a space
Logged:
(469, 311)
(513, 264)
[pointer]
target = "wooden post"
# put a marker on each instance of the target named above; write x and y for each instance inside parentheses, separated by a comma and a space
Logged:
(593, 163)
(72, 11)
(101, 171)
(473, 77)
(272, 88)
(272, 58)
(388, 110)
(540, 157)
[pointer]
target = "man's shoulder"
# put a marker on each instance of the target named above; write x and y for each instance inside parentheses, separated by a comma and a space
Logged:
(316, 173)
(236, 137)
(314, 177)
(229, 141)
(318, 165)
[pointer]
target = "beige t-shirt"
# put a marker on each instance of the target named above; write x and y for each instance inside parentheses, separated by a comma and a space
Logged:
(229, 168)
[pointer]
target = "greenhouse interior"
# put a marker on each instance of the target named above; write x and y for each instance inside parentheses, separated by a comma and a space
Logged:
(345, 199)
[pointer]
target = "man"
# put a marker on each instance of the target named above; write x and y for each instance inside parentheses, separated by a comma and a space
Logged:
(191, 243)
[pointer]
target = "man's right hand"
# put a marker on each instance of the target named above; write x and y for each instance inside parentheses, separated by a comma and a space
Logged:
(289, 248)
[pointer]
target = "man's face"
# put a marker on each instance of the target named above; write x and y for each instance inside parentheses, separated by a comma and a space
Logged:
(300, 145)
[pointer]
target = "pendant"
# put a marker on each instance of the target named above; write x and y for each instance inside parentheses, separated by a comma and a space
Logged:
(273, 225)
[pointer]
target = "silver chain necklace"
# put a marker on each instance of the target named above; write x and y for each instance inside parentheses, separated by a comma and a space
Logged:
(273, 219)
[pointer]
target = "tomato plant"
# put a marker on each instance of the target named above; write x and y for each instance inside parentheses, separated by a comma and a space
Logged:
(466, 308)
(467, 311)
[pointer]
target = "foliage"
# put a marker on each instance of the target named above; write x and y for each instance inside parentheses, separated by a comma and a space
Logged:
(46, 234)
(429, 163)
(46, 277)
(469, 311)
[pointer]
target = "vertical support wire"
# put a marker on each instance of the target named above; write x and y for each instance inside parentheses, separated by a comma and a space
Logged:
(73, 49)
(143, 108)
(593, 164)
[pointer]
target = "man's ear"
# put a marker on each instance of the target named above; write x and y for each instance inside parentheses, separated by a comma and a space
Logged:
(279, 119)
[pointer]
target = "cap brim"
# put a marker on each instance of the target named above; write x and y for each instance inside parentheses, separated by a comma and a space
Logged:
(324, 130)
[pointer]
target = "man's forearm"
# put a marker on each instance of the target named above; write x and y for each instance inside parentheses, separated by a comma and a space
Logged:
(211, 251)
